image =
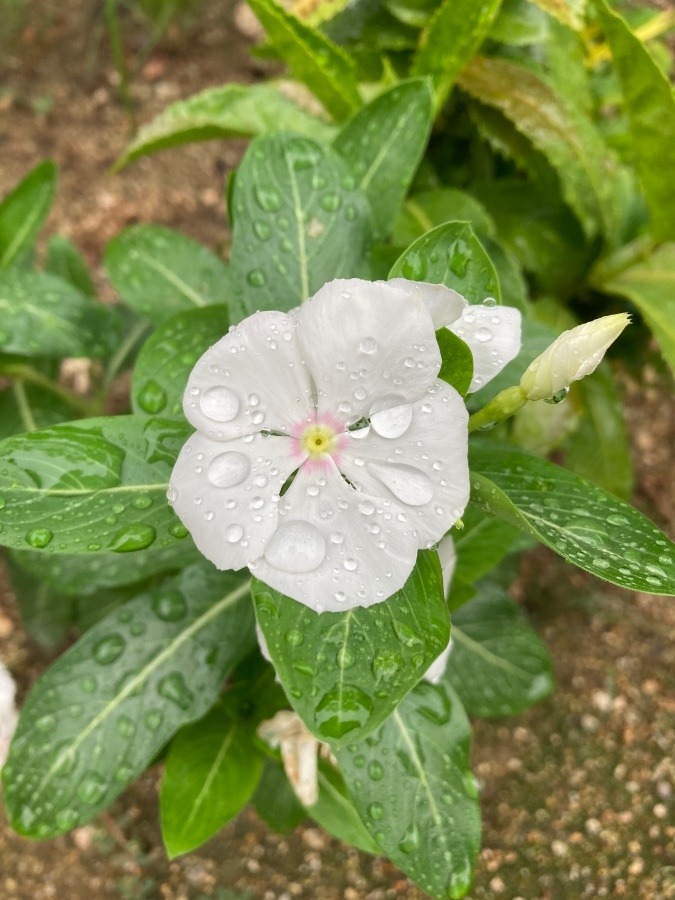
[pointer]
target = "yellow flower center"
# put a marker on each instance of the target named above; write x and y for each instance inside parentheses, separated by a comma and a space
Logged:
(318, 440)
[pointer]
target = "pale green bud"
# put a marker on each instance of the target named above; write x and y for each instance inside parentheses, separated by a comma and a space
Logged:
(573, 355)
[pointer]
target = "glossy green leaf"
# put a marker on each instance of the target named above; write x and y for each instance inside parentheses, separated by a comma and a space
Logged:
(169, 355)
(105, 708)
(456, 361)
(512, 282)
(159, 272)
(384, 143)
(452, 255)
(345, 672)
(520, 24)
(212, 769)
(336, 814)
(41, 315)
(497, 665)
(481, 544)
(312, 58)
(25, 407)
(24, 210)
(571, 144)
(274, 800)
(650, 285)
(449, 41)
(585, 525)
(599, 449)
(65, 261)
(415, 792)
(426, 210)
(97, 484)
(299, 221)
(650, 105)
(569, 12)
(230, 110)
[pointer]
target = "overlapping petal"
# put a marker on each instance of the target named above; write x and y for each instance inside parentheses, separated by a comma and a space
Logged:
(493, 335)
(363, 340)
(252, 379)
(444, 304)
(227, 494)
(448, 557)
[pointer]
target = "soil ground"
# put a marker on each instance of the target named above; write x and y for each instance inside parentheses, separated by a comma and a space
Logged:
(577, 793)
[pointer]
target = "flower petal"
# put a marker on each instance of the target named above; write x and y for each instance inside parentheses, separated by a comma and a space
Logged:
(493, 335)
(422, 469)
(444, 304)
(226, 494)
(437, 669)
(253, 378)
(335, 548)
(363, 340)
(448, 557)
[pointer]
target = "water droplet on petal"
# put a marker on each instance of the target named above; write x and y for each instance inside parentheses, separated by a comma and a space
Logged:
(408, 484)
(368, 346)
(228, 469)
(234, 533)
(219, 403)
(390, 418)
(296, 547)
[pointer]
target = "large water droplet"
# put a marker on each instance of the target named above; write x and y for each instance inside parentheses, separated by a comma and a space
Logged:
(342, 709)
(170, 606)
(368, 346)
(234, 533)
(390, 418)
(410, 485)
(172, 687)
(91, 788)
(386, 665)
(219, 403)
(109, 649)
(39, 537)
(268, 198)
(137, 536)
(558, 397)
(152, 397)
(228, 469)
(296, 547)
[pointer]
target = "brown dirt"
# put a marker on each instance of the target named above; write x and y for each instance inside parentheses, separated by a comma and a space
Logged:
(577, 792)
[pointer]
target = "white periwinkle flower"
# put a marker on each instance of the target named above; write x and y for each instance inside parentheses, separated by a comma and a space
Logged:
(299, 753)
(341, 394)
(8, 713)
(448, 558)
(572, 355)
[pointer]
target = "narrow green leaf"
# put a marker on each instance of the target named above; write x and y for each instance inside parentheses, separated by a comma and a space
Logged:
(159, 272)
(571, 144)
(169, 355)
(274, 800)
(384, 143)
(451, 255)
(415, 792)
(481, 544)
(456, 361)
(585, 525)
(212, 769)
(299, 221)
(451, 39)
(36, 407)
(111, 473)
(230, 110)
(41, 315)
(345, 672)
(426, 210)
(65, 261)
(336, 814)
(520, 24)
(24, 210)
(650, 285)
(313, 59)
(106, 707)
(650, 105)
(497, 665)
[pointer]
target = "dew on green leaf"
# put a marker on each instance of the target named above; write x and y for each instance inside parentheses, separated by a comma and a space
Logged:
(91, 788)
(173, 687)
(133, 537)
(38, 538)
(152, 397)
(294, 637)
(109, 649)
(169, 606)
(153, 719)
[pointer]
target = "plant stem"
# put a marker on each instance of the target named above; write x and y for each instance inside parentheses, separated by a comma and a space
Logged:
(120, 355)
(30, 375)
(503, 406)
(26, 413)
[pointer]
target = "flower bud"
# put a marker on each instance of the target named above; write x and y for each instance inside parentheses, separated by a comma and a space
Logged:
(573, 355)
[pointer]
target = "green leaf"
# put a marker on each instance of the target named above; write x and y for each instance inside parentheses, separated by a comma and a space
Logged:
(650, 105)
(649, 285)
(41, 315)
(451, 255)
(97, 484)
(426, 210)
(46, 614)
(570, 143)
(585, 525)
(24, 210)
(520, 24)
(384, 143)
(169, 355)
(511, 280)
(481, 544)
(41, 408)
(275, 801)
(450, 40)
(212, 769)
(313, 59)
(159, 272)
(345, 672)
(101, 712)
(456, 361)
(599, 449)
(336, 814)
(65, 261)
(415, 792)
(299, 221)
(230, 110)
(497, 665)
(569, 12)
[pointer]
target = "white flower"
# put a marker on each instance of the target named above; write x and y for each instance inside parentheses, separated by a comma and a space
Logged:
(492, 332)
(448, 558)
(572, 355)
(8, 713)
(299, 753)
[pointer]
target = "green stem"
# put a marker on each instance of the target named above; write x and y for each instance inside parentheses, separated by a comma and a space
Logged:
(23, 406)
(503, 406)
(117, 47)
(31, 376)
(117, 360)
